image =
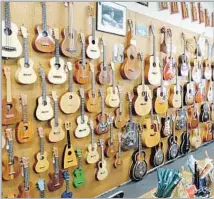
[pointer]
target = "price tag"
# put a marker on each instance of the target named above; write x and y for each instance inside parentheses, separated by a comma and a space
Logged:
(133, 42)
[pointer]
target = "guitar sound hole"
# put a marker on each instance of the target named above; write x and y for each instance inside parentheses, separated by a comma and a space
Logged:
(93, 41)
(70, 97)
(161, 94)
(25, 128)
(176, 92)
(131, 57)
(44, 103)
(8, 31)
(44, 34)
(41, 157)
(57, 66)
(27, 65)
(154, 64)
(9, 106)
(190, 91)
(69, 153)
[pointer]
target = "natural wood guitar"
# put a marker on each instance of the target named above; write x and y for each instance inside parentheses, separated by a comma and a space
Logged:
(207, 64)
(189, 90)
(193, 117)
(118, 157)
(207, 132)
(195, 138)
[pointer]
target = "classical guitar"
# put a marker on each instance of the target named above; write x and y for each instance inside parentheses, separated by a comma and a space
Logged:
(192, 117)
(67, 193)
(44, 41)
(195, 138)
(44, 110)
(210, 91)
(69, 156)
(82, 129)
(10, 114)
(129, 69)
(207, 64)
(93, 50)
(112, 98)
(207, 135)
(152, 65)
(166, 125)
(25, 74)
(163, 46)
(11, 46)
(70, 101)
(205, 111)
(56, 178)
(189, 90)
(57, 132)
(157, 157)
(26, 189)
(41, 187)
(183, 61)
(81, 75)
(92, 155)
(185, 141)
(42, 163)
(139, 165)
(173, 148)
(92, 95)
(102, 171)
(118, 162)
(102, 126)
(104, 74)
(169, 68)
(79, 174)
(175, 94)
(143, 101)
(57, 74)
(70, 46)
(120, 118)
(11, 168)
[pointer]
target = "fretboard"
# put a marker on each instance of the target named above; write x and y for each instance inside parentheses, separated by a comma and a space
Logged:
(43, 89)
(93, 84)
(9, 97)
(56, 165)
(79, 162)
(42, 146)
(92, 137)
(113, 81)
(26, 179)
(82, 109)
(102, 105)
(57, 51)
(26, 57)
(10, 151)
(56, 117)
(83, 55)
(44, 17)
(102, 154)
(170, 47)
(42, 194)
(121, 104)
(139, 144)
(93, 27)
(68, 139)
(130, 111)
(111, 134)
(25, 113)
(67, 186)
(70, 88)
(154, 49)
(143, 80)
(104, 58)
(7, 15)
(70, 18)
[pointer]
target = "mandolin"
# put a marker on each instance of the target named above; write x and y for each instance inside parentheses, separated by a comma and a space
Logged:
(56, 178)
(205, 111)
(118, 162)
(92, 95)
(152, 65)
(129, 69)
(102, 171)
(69, 157)
(92, 156)
(57, 74)
(25, 127)
(25, 74)
(169, 68)
(185, 142)
(207, 135)
(42, 163)
(189, 90)
(82, 129)
(163, 46)
(93, 50)
(157, 156)
(120, 117)
(70, 101)
(184, 66)
(57, 132)
(166, 125)
(112, 98)
(11, 46)
(26, 189)
(44, 41)
(195, 138)
(192, 117)
(67, 193)
(143, 101)
(102, 126)
(10, 114)
(44, 110)
(207, 64)
(79, 174)
(70, 46)
(10, 163)
(81, 75)
(104, 75)
(41, 187)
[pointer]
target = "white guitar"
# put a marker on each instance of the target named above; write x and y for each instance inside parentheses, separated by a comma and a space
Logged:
(57, 74)
(82, 129)
(11, 46)
(210, 92)
(44, 109)
(25, 74)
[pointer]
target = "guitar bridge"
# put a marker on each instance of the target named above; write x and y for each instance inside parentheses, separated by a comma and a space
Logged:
(9, 48)
(71, 50)
(56, 76)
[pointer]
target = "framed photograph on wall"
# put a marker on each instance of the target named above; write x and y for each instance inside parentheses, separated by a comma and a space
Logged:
(111, 18)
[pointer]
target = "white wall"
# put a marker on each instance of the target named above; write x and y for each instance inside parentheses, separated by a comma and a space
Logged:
(175, 19)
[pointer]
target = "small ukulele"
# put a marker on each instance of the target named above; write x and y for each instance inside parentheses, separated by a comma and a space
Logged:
(207, 64)
(195, 138)
(157, 157)
(193, 117)
(44, 41)
(67, 193)
(207, 132)
(185, 142)
(199, 95)
(166, 125)
(42, 163)
(41, 187)
(118, 162)
(189, 90)
(69, 157)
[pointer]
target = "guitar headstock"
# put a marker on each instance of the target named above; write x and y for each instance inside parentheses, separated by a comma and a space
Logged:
(55, 152)
(42, 72)
(41, 185)
(112, 66)
(8, 133)
(130, 23)
(79, 153)
(66, 175)
(23, 99)
(24, 32)
(130, 97)
(163, 30)
(68, 125)
(7, 71)
(140, 54)
(173, 118)
(69, 66)
(91, 67)
(90, 11)
(82, 38)
(82, 93)
(56, 33)
(169, 32)
(91, 124)
(55, 96)
(24, 161)
(40, 132)
(152, 29)
(101, 93)
(110, 120)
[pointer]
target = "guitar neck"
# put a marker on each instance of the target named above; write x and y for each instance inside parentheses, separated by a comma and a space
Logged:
(56, 117)
(121, 104)
(70, 88)
(104, 58)
(102, 154)
(184, 46)
(44, 17)
(113, 81)
(26, 179)
(42, 146)
(102, 106)
(154, 49)
(42, 194)
(93, 84)
(67, 186)
(43, 90)
(111, 135)
(26, 56)
(82, 109)
(92, 137)
(25, 113)
(68, 139)
(130, 111)
(170, 47)
(142, 77)
(56, 165)
(7, 15)
(10, 151)
(139, 144)
(83, 56)
(56, 51)
(70, 18)
(9, 95)
(93, 27)
(79, 162)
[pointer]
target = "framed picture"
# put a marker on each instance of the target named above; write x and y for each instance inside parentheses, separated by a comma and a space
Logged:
(144, 3)
(111, 18)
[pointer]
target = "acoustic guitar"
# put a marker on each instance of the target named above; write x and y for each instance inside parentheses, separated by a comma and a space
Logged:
(26, 189)
(207, 64)
(118, 157)
(81, 75)
(70, 101)
(56, 178)
(42, 163)
(11, 46)
(192, 117)
(112, 98)
(67, 193)
(143, 101)
(185, 141)
(195, 138)
(157, 156)
(207, 135)
(57, 74)
(70, 45)
(69, 156)
(44, 41)
(25, 74)
(166, 125)
(152, 65)
(41, 187)
(129, 69)
(205, 111)
(57, 132)
(189, 90)
(25, 130)
(92, 95)
(10, 114)
(10, 163)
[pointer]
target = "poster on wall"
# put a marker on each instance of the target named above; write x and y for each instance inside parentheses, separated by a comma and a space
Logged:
(111, 18)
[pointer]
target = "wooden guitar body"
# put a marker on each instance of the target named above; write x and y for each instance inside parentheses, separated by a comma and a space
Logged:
(207, 70)
(44, 41)
(102, 126)
(79, 177)
(199, 97)
(53, 185)
(104, 76)
(189, 90)
(82, 129)
(112, 97)
(169, 70)
(26, 194)
(81, 75)
(161, 102)
(192, 119)
(93, 50)
(57, 132)
(102, 172)
(195, 138)
(92, 104)
(175, 97)
(42, 163)
(196, 72)
(110, 150)
(69, 157)
(24, 132)
(120, 119)
(92, 155)
(207, 133)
